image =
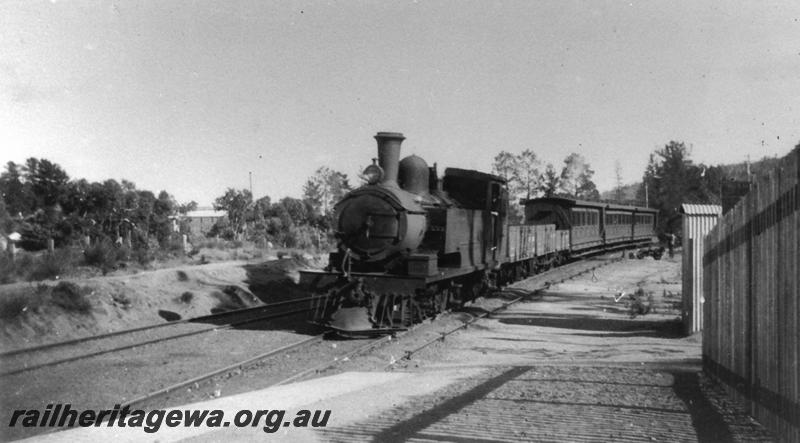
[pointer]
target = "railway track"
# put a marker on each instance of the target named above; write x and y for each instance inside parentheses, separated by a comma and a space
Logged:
(550, 277)
(197, 369)
(215, 372)
(553, 276)
(32, 358)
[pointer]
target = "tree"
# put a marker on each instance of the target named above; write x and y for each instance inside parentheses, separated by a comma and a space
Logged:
(108, 200)
(185, 208)
(618, 181)
(236, 204)
(163, 208)
(550, 181)
(670, 180)
(526, 174)
(521, 172)
(324, 189)
(504, 165)
(17, 197)
(576, 178)
(47, 180)
(299, 212)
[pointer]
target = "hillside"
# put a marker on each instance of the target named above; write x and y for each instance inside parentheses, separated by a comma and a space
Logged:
(733, 172)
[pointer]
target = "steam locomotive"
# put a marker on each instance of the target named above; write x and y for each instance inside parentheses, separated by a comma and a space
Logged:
(412, 244)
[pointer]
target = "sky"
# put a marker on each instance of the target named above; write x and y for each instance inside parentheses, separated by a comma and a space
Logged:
(194, 97)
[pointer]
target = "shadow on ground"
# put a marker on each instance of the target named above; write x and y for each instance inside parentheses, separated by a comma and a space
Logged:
(603, 327)
(560, 404)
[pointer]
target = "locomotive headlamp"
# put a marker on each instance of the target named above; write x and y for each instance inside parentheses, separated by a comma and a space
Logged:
(373, 173)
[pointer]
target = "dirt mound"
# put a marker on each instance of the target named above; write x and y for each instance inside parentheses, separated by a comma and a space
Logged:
(53, 311)
(277, 280)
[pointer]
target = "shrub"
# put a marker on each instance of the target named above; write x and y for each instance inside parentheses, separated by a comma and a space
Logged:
(71, 297)
(50, 266)
(13, 305)
(14, 270)
(187, 297)
(210, 243)
(102, 254)
(143, 256)
(173, 244)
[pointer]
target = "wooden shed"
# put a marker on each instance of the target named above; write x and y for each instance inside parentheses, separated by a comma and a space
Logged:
(697, 222)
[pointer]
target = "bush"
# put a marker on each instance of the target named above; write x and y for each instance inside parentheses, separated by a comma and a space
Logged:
(13, 305)
(143, 256)
(50, 266)
(14, 270)
(173, 244)
(222, 229)
(103, 254)
(71, 297)
(210, 243)
(34, 267)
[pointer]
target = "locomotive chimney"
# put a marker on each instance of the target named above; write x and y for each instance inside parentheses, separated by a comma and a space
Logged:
(389, 155)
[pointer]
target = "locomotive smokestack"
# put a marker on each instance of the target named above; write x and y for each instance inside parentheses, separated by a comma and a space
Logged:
(389, 155)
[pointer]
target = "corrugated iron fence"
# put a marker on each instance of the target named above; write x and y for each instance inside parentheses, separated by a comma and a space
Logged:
(698, 220)
(751, 335)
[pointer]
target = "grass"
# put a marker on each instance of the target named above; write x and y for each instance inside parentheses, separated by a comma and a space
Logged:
(14, 270)
(65, 295)
(51, 266)
(28, 266)
(106, 256)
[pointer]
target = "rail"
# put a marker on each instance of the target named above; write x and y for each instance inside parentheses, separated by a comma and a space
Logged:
(112, 349)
